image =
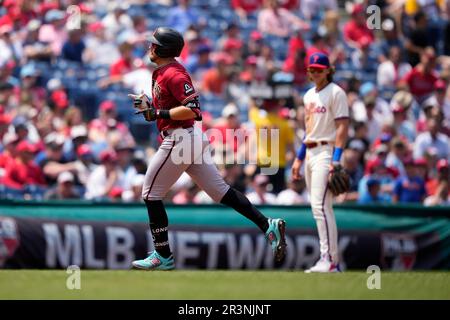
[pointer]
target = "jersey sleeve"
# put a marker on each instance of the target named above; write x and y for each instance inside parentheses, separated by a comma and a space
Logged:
(340, 105)
(181, 87)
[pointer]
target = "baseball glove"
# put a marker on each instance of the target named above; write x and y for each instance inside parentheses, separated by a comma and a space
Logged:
(338, 180)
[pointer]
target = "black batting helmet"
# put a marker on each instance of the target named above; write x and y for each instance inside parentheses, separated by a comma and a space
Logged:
(169, 42)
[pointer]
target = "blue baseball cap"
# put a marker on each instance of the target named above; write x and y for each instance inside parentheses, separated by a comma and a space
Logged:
(203, 48)
(28, 70)
(372, 182)
(366, 88)
(319, 60)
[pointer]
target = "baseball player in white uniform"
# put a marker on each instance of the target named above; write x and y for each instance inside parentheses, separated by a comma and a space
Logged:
(326, 123)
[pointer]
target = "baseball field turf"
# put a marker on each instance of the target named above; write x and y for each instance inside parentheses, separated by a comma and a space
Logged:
(133, 284)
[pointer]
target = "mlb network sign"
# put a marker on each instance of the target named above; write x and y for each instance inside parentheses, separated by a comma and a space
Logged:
(111, 245)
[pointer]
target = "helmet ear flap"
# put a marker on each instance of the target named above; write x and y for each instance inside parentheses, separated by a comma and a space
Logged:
(163, 52)
(158, 52)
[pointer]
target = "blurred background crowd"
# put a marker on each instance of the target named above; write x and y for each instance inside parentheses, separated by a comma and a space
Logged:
(68, 131)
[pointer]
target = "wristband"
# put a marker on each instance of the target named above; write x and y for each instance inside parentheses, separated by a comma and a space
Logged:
(337, 153)
(301, 153)
(163, 114)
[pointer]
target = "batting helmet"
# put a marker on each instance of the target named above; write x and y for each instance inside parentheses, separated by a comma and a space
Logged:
(169, 42)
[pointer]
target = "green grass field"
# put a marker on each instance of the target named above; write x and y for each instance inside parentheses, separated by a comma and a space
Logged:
(133, 284)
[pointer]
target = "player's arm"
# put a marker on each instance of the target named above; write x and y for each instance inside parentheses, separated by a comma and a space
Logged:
(190, 110)
(341, 132)
(342, 125)
(341, 120)
(182, 113)
(298, 161)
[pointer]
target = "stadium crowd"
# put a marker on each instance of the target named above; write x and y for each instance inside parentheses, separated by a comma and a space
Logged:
(67, 128)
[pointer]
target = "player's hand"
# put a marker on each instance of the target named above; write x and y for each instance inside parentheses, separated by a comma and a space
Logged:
(150, 114)
(141, 101)
(296, 166)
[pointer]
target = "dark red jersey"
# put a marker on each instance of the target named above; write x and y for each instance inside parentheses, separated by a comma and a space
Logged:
(172, 87)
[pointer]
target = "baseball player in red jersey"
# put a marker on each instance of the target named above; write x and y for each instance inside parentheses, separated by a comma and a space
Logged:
(175, 107)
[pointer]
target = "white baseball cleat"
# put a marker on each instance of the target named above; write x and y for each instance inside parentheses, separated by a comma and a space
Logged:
(324, 265)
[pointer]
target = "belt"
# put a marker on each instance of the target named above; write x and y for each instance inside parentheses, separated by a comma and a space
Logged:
(168, 132)
(311, 145)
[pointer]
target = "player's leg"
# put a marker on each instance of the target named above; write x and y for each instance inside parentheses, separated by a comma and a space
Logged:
(161, 174)
(321, 205)
(206, 175)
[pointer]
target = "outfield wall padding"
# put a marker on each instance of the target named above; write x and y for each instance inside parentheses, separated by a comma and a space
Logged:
(109, 236)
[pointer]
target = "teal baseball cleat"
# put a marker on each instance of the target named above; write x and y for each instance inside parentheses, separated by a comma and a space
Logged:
(275, 235)
(155, 262)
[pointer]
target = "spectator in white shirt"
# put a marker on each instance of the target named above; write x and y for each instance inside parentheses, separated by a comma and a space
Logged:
(106, 177)
(84, 164)
(117, 19)
(432, 138)
(392, 70)
(313, 8)
(369, 95)
(99, 50)
(295, 194)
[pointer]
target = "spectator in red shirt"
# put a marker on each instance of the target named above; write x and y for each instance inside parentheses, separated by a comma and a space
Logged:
(125, 63)
(8, 153)
(59, 102)
(14, 16)
(422, 77)
(231, 33)
(234, 48)
(251, 70)
(216, 79)
(442, 175)
(118, 69)
(289, 4)
(295, 44)
(441, 197)
(356, 33)
(245, 7)
(253, 45)
(5, 121)
(23, 171)
(295, 60)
